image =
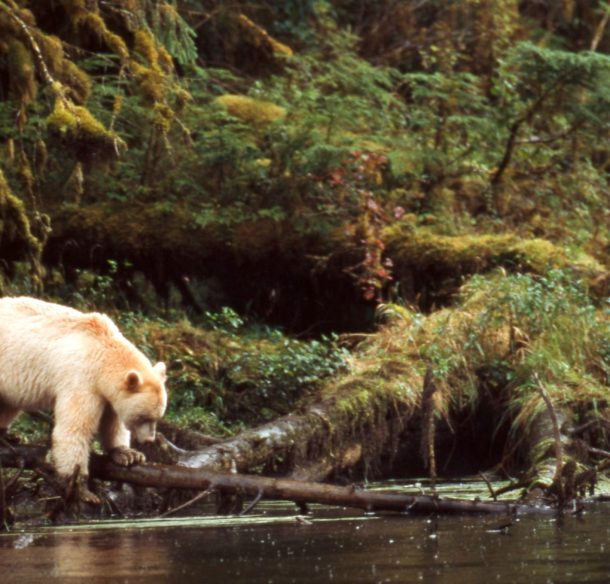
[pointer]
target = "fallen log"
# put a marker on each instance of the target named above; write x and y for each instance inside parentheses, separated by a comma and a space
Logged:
(291, 490)
(367, 411)
(179, 477)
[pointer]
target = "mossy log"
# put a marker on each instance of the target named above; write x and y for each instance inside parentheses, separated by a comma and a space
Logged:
(357, 423)
(293, 277)
(259, 265)
(431, 267)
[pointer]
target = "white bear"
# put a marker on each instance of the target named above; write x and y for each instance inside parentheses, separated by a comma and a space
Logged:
(82, 367)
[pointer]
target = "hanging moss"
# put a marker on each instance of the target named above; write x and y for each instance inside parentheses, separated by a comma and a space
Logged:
(22, 72)
(82, 130)
(76, 81)
(84, 17)
(260, 37)
(17, 243)
(151, 83)
(165, 60)
(15, 223)
(144, 45)
(51, 49)
(163, 116)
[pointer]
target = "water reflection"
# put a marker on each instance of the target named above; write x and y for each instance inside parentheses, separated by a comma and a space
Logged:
(337, 547)
(117, 556)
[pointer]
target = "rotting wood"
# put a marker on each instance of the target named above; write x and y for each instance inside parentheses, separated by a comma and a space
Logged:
(324, 467)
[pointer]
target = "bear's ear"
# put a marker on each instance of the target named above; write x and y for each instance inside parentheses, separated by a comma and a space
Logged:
(161, 370)
(133, 380)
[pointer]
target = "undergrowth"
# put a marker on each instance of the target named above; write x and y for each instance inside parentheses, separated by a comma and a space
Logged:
(226, 373)
(506, 335)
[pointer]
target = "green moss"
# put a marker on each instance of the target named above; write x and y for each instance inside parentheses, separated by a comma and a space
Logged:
(22, 72)
(15, 225)
(76, 80)
(82, 130)
(252, 111)
(422, 250)
(84, 17)
(260, 37)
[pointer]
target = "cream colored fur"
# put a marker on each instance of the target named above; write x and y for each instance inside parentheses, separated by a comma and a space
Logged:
(82, 367)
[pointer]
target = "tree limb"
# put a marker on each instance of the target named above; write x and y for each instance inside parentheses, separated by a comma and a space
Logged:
(600, 30)
(179, 477)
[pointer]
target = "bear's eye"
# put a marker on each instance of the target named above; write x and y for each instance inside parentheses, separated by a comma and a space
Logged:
(141, 420)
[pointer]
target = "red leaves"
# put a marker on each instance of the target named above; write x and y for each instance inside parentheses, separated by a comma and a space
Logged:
(354, 180)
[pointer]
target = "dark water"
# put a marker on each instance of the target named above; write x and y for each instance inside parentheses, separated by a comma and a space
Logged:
(275, 547)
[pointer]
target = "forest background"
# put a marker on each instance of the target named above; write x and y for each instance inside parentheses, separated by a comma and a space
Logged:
(324, 200)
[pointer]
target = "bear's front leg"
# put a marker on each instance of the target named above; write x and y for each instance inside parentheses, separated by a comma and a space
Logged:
(76, 420)
(116, 440)
(126, 456)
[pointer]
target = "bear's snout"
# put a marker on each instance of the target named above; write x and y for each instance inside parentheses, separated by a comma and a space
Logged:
(145, 432)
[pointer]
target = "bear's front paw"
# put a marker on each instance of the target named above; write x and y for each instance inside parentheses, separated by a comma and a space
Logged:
(126, 456)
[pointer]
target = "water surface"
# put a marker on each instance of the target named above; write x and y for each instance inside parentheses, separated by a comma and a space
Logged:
(274, 546)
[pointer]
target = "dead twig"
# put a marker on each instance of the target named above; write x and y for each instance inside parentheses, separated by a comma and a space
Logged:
(188, 503)
(493, 494)
(599, 452)
(253, 503)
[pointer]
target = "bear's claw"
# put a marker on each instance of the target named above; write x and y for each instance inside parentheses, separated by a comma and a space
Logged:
(86, 496)
(126, 456)
(78, 492)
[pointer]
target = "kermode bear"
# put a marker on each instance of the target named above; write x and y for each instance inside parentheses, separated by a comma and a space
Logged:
(82, 367)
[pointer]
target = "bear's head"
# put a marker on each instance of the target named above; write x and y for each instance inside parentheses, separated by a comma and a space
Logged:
(143, 402)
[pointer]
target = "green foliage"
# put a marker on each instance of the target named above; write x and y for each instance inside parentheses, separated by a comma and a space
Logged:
(450, 114)
(32, 428)
(227, 372)
(173, 31)
(475, 143)
(512, 332)
(556, 92)
(227, 320)
(288, 369)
